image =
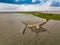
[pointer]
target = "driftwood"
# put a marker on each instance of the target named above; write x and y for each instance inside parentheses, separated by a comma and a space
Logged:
(36, 27)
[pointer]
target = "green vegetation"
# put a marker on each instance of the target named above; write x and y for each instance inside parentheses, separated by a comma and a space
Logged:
(45, 15)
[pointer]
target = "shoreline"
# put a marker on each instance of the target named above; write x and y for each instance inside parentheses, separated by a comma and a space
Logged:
(16, 11)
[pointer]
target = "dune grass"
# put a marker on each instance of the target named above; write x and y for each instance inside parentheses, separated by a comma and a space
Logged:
(44, 15)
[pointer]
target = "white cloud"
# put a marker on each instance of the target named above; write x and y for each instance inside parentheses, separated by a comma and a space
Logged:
(57, 0)
(43, 7)
(4, 6)
(16, 0)
(33, 0)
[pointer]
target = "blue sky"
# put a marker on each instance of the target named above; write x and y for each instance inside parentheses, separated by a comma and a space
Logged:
(53, 2)
(34, 5)
(23, 1)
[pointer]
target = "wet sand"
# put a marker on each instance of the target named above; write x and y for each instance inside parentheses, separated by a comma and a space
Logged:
(11, 28)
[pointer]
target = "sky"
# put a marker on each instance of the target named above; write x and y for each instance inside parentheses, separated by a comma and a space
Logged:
(30, 5)
(23, 1)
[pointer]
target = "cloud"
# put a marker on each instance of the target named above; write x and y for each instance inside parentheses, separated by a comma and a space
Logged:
(4, 6)
(33, 7)
(56, 3)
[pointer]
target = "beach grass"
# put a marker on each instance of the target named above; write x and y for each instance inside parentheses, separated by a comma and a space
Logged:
(44, 15)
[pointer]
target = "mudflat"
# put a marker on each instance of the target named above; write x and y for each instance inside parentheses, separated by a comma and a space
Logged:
(11, 28)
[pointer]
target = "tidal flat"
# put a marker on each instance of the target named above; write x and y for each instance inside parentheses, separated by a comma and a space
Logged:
(11, 28)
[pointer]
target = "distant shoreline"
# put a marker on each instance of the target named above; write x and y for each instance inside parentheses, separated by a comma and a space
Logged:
(15, 11)
(51, 12)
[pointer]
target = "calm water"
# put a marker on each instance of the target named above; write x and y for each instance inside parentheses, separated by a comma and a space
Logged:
(11, 28)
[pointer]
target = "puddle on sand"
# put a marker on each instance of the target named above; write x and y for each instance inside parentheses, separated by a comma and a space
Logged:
(11, 29)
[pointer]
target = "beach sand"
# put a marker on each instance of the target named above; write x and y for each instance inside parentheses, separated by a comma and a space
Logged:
(11, 28)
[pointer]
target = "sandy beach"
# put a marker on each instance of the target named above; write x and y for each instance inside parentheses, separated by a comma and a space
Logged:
(11, 28)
